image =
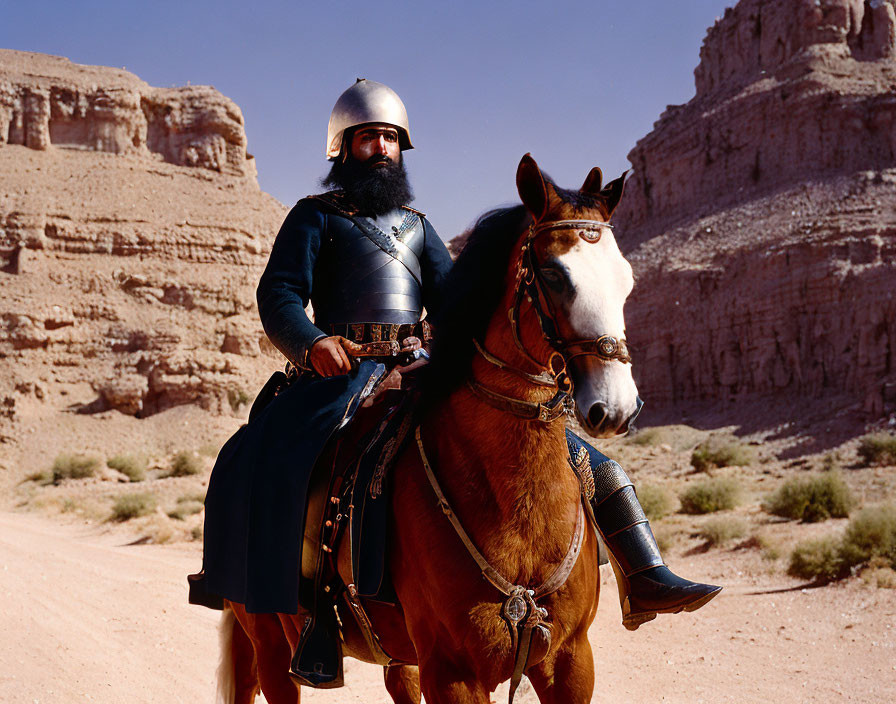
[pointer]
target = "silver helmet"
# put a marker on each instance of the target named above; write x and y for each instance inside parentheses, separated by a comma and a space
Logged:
(365, 102)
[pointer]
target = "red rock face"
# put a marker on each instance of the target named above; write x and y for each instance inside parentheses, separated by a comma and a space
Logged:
(761, 216)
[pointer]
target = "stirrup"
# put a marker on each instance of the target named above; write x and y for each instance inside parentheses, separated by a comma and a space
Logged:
(317, 661)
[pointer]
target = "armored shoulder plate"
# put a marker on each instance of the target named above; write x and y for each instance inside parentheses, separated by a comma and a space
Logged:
(368, 269)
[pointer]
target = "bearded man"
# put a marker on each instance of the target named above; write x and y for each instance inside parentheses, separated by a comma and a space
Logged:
(369, 264)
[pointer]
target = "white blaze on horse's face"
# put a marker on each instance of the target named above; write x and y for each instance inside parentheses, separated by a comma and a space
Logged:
(599, 279)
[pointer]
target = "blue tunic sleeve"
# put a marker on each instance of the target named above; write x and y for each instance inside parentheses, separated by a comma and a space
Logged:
(435, 263)
(285, 286)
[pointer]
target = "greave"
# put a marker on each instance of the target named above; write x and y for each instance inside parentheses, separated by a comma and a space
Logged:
(646, 586)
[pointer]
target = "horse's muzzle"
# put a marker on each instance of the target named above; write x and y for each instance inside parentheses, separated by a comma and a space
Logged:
(599, 421)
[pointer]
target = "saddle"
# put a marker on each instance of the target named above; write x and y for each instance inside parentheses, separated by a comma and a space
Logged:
(345, 531)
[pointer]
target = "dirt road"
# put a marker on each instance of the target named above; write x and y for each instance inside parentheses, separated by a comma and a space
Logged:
(87, 618)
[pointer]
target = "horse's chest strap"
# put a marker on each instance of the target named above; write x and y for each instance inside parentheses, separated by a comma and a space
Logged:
(530, 631)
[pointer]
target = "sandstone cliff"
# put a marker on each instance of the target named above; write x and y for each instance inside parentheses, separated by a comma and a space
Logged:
(47, 101)
(761, 217)
(132, 235)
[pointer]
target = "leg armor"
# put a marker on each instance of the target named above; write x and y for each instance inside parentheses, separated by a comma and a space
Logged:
(646, 586)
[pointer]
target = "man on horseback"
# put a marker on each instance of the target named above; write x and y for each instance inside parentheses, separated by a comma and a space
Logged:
(369, 264)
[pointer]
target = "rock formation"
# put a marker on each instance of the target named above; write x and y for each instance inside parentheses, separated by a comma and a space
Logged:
(47, 101)
(132, 235)
(761, 216)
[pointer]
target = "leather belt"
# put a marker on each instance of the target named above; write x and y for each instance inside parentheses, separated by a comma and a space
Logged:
(363, 333)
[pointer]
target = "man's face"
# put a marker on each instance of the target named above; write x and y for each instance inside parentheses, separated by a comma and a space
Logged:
(376, 145)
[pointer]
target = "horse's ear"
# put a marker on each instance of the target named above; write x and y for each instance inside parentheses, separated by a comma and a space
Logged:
(593, 181)
(613, 192)
(532, 188)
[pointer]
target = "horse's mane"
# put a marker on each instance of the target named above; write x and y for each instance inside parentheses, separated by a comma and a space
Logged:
(475, 285)
(471, 292)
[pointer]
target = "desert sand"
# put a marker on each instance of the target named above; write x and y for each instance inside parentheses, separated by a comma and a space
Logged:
(90, 618)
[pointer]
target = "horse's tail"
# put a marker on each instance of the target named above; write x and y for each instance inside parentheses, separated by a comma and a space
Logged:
(226, 666)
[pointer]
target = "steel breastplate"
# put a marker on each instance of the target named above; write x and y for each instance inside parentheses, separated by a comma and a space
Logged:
(369, 270)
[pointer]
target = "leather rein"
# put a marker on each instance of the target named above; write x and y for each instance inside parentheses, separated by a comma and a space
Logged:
(524, 617)
(530, 284)
(530, 631)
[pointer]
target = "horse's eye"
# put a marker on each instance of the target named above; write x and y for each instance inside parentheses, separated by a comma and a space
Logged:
(553, 278)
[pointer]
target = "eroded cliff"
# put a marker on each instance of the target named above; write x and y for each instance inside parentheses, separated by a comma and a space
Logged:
(132, 235)
(761, 216)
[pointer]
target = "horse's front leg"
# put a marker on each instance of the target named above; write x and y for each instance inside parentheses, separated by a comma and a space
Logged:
(403, 683)
(443, 682)
(568, 676)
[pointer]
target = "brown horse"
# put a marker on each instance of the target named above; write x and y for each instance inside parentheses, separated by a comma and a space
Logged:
(538, 296)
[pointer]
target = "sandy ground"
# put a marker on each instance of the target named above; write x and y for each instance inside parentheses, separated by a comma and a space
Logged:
(87, 617)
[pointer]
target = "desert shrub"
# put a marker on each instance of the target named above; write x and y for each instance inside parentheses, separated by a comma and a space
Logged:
(74, 467)
(648, 436)
(882, 577)
(184, 509)
(870, 535)
(678, 437)
(210, 449)
(718, 531)
(711, 495)
(657, 501)
(132, 467)
(237, 398)
(869, 540)
(185, 464)
(819, 559)
(192, 497)
(721, 452)
(196, 532)
(128, 506)
(769, 551)
(830, 462)
(44, 476)
(812, 499)
(878, 449)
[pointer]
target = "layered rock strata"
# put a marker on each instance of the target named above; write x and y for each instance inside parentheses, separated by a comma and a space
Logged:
(127, 266)
(47, 101)
(761, 216)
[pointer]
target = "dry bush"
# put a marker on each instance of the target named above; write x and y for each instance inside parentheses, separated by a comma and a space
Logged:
(718, 531)
(871, 534)
(237, 397)
(881, 577)
(869, 540)
(184, 509)
(678, 437)
(721, 452)
(132, 467)
(878, 449)
(128, 506)
(812, 499)
(67, 466)
(185, 464)
(210, 449)
(819, 559)
(719, 494)
(657, 501)
(193, 496)
(43, 477)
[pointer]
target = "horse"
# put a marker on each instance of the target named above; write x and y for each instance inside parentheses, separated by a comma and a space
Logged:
(494, 573)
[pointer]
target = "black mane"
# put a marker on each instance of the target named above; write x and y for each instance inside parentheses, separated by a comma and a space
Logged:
(473, 288)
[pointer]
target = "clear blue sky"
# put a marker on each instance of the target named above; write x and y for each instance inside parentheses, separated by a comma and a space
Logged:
(574, 83)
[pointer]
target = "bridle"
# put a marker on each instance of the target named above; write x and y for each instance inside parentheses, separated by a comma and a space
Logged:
(529, 283)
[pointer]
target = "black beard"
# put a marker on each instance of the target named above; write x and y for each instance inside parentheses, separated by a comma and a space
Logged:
(373, 190)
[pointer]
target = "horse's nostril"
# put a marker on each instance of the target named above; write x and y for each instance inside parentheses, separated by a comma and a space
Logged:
(639, 404)
(596, 414)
